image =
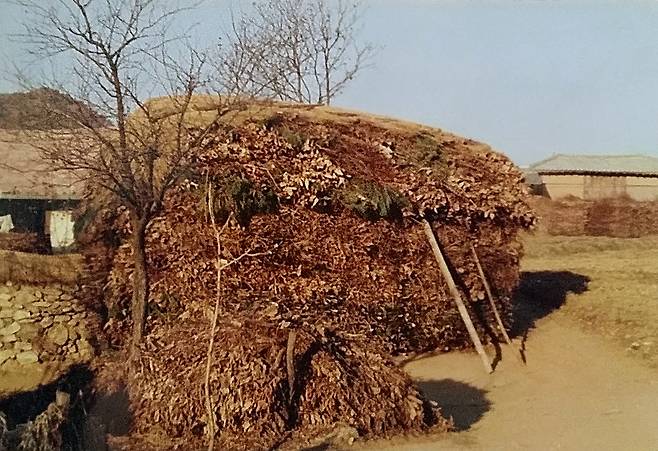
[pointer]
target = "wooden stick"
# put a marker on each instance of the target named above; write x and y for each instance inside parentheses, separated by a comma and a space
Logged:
(290, 363)
(487, 288)
(492, 302)
(456, 295)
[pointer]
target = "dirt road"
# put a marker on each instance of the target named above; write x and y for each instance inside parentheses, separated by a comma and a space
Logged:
(578, 392)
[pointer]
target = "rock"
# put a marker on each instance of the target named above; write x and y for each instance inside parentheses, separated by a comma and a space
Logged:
(21, 314)
(41, 304)
(7, 313)
(9, 283)
(24, 297)
(72, 333)
(340, 437)
(47, 321)
(6, 355)
(11, 329)
(9, 338)
(58, 334)
(28, 331)
(635, 345)
(51, 292)
(85, 349)
(38, 294)
(22, 346)
(33, 309)
(79, 308)
(27, 357)
(83, 332)
(5, 301)
(74, 322)
(61, 318)
(66, 297)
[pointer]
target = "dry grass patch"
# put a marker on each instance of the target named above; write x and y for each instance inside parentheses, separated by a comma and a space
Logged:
(20, 267)
(621, 300)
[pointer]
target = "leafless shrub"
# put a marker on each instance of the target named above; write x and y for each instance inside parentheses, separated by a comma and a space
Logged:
(122, 51)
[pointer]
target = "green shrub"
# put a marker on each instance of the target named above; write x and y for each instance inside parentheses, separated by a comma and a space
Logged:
(371, 200)
(276, 122)
(237, 194)
(295, 138)
(426, 152)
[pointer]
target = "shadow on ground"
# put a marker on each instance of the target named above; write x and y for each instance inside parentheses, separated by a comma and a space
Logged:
(463, 402)
(540, 293)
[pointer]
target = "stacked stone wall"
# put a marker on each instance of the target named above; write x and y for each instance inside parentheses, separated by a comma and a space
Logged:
(41, 325)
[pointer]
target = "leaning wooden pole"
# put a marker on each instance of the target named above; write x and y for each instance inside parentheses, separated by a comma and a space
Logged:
(456, 295)
(492, 302)
(487, 288)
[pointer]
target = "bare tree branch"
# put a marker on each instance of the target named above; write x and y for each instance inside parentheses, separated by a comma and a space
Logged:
(296, 50)
(122, 50)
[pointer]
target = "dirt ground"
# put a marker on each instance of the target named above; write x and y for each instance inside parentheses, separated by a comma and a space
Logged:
(619, 298)
(588, 326)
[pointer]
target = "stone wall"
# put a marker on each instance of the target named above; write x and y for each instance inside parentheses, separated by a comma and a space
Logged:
(41, 325)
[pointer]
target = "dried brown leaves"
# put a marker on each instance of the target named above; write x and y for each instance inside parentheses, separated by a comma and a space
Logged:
(354, 290)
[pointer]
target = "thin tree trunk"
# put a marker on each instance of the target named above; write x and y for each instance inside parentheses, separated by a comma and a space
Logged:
(210, 408)
(290, 363)
(140, 284)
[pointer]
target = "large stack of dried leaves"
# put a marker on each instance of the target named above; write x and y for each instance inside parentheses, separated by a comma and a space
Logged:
(339, 380)
(616, 217)
(331, 207)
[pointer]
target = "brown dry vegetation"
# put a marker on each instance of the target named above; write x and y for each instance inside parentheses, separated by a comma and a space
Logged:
(41, 109)
(616, 217)
(19, 267)
(330, 200)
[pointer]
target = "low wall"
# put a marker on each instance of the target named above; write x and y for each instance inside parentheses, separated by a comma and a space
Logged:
(40, 326)
(20, 267)
(622, 218)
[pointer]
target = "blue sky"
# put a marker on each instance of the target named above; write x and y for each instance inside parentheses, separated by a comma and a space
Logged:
(531, 78)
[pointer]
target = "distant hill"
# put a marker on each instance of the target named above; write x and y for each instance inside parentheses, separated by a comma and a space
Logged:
(43, 109)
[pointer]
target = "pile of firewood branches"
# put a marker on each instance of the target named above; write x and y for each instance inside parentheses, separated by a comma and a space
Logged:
(332, 212)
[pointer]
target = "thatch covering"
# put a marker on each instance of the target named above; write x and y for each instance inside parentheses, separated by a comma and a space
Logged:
(330, 201)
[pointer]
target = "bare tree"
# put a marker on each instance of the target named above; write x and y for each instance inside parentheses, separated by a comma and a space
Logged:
(297, 50)
(121, 52)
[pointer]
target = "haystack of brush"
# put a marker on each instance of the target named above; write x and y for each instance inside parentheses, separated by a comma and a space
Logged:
(620, 217)
(320, 237)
